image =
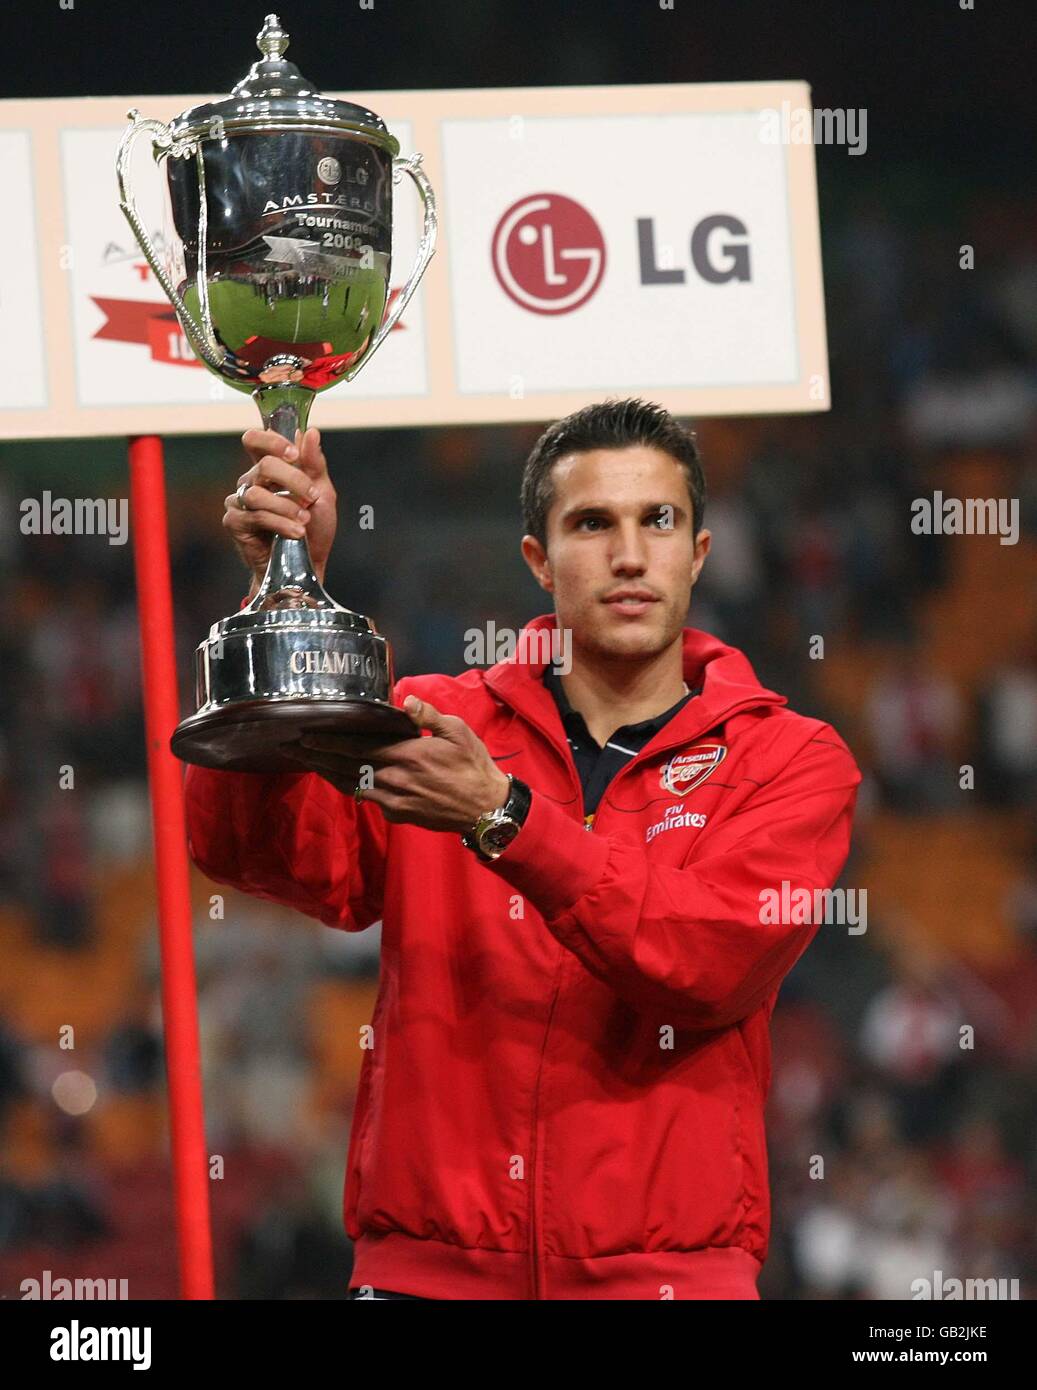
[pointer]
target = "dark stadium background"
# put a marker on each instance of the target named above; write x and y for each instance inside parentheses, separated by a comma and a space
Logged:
(931, 662)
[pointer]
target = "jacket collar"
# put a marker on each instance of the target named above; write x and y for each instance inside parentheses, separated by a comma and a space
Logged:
(728, 682)
(573, 721)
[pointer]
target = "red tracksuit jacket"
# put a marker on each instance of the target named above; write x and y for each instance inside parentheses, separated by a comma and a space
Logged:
(564, 1097)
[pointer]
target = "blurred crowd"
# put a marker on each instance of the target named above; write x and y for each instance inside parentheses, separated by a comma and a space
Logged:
(895, 1152)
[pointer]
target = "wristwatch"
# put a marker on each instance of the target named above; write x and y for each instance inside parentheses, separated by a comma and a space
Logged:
(494, 831)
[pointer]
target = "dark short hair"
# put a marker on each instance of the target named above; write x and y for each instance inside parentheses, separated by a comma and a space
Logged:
(610, 424)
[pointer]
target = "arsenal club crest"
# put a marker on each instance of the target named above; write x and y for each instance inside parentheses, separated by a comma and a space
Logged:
(686, 771)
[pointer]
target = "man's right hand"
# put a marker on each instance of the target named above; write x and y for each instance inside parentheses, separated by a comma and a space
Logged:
(309, 510)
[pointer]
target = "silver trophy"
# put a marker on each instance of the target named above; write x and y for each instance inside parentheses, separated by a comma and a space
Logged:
(281, 204)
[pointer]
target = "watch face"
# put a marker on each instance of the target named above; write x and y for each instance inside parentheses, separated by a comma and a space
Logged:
(498, 837)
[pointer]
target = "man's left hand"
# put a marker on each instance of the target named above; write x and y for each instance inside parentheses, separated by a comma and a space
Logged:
(441, 782)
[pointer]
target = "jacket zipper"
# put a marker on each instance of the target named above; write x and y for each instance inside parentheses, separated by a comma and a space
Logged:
(534, 1218)
(536, 1282)
(534, 1223)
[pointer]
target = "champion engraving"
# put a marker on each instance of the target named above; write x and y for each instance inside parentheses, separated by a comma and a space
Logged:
(331, 663)
(687, 771)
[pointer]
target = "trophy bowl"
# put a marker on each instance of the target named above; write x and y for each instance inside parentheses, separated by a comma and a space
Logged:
(281, 206)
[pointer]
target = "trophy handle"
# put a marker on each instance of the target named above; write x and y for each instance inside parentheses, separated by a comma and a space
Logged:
(426, 249)
(205, 345)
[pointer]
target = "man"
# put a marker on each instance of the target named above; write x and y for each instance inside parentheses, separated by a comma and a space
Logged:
(564, 1096)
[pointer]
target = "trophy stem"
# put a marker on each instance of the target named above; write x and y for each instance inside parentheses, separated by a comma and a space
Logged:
(290, 580)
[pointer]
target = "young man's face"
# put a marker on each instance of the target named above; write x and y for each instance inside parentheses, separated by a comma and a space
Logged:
(620, 520)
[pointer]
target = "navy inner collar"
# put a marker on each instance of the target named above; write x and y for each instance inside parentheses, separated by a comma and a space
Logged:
(571, 718)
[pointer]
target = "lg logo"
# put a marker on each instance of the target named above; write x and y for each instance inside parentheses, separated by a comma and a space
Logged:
(549, 253)
(715, 256)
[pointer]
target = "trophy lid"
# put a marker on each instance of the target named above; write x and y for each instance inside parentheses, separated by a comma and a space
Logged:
(274, 95)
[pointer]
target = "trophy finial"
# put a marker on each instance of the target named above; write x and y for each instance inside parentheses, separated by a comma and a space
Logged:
(272, 39)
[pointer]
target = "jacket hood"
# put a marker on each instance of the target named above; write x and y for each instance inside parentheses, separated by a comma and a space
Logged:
(728, 681)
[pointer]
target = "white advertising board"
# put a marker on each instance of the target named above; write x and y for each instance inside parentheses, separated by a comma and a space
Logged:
(594, 241)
